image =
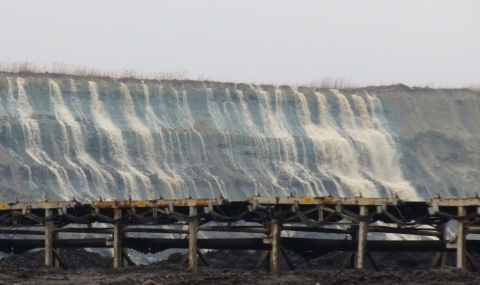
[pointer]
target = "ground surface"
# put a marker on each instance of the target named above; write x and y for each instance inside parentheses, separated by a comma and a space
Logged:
(230, 267)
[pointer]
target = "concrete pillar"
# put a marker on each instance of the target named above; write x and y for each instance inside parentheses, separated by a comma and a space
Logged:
(362, 240)
(49, 236)
(192, 240)
(117, 240)
(275, 233)
(461, 240)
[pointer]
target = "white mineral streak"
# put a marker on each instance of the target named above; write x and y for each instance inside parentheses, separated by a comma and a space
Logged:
(177, 141)
(20, 108)
(135, 182)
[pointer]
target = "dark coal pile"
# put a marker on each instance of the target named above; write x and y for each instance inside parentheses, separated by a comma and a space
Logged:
(233, 267)
(72, 258)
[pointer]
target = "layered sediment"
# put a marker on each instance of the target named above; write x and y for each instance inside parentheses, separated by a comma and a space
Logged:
(64, 136)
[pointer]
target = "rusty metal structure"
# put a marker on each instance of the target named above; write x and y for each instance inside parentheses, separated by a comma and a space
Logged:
(337, 224)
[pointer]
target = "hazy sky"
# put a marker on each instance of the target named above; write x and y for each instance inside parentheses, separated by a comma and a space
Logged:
(414, 42)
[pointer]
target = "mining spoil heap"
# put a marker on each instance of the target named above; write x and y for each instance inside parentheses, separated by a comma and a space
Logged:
(64, 136)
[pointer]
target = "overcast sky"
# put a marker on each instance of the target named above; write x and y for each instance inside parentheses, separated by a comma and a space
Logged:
(413, 42)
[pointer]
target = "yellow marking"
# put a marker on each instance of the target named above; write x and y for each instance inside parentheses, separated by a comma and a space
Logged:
(46, 205)
(142, 203)
(307, 200)
(4, 206)
(191, 202)
(362, 201)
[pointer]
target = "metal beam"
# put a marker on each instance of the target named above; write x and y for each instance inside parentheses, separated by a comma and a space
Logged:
(160, 203)
(454, 202)
(114, 204)
(85, 230)
(154, 230)
(236, 229)
(323, 201)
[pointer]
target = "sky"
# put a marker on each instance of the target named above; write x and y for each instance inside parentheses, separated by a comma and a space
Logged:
(295, 42)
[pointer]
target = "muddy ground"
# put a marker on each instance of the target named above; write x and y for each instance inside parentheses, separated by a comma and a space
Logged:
(232, 267)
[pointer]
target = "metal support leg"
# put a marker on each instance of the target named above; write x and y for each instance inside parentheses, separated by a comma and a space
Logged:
(443, 260)
(49, 235)
(434, 260)
(127, 258)
(461, 241)
(262, 257)
(126, 261)
(320, 212)
(268, 240)
(56, 253)
(472, 262)
(192, 240)
(202, 257)
(362, 240)
(345, 260)
(275, 252)
(287, 259)
(117, 240)
(372, 261)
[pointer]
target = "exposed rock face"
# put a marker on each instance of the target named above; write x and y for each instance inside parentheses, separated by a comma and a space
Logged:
(438, 135)
(65, 136)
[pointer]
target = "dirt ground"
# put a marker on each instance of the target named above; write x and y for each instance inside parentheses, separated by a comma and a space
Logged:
(231, 267)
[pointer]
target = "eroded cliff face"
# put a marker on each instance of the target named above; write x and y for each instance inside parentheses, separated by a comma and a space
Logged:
(438, 135)
(64, 136)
